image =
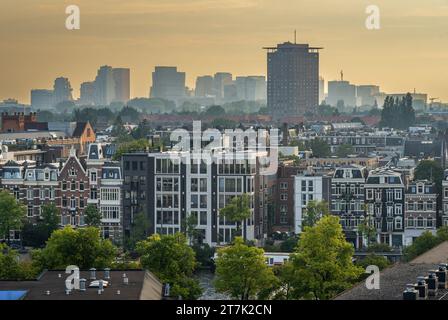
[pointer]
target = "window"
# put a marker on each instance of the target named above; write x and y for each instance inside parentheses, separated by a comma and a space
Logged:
(81, 185)
(30, 211)
(283, 196)
(398, 223)
(93, 194)
(429, 222)
(64, 201)
(369, 194)
(42, 194)
(284, 185)
(72, 172)
(72, 203)
(93, 176)
(203, 218)
(110, 194)
(73, 185)
(398, 194)
(64, 185)
(410, 222)
(303, 185)
(420, 222)
(398, 209)
(310, 186)
(29, 194)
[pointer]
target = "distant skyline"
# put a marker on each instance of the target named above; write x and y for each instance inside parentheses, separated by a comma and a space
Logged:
(206, 36)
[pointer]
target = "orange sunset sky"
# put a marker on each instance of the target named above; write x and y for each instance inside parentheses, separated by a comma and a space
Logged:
(205, 36)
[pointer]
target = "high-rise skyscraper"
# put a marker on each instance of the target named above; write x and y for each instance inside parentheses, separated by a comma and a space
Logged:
(321, 89)
(341, 94)
(41, 98)
(104, 86)
(293, 79)
(62, 90)
(87, 93)
(251, 88)
(168, 83)
(122, 84)
(204, 86)
(220, 80)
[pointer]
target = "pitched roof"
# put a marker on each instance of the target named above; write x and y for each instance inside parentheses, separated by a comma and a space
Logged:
(393, 280)
(79, 129)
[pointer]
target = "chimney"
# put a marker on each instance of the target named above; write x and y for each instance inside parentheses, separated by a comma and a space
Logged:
(433, 284)
(107, 273)
(410, 293)
(82, 284)
(422, 288)
(92, 273)
(442, 276)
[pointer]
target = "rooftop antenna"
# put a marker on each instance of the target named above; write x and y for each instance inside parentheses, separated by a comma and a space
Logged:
(295, 36)
(342, 75)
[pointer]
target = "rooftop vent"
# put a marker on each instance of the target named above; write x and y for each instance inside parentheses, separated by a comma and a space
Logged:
(92, 273)
(410, 293)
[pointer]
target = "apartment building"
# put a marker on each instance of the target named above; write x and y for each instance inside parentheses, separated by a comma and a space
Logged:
(384, 198)
(308, 187)
(421, 210)
(347, 200)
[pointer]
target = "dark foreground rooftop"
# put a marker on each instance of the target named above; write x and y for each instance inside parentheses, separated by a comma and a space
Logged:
(50, 285)
(393, 280)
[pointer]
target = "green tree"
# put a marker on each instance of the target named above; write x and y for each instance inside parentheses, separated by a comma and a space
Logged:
(315, 210)
(237, 210)
(368, 230)
(36, 235)
(242, 272)
(374, 260)
(92, 216)
(50, 217)
(81, 247)
(215, 111)
(398, 113)
(131, 146)
(323, 262)
(12, 214)
(344, 150)
(139, 230)
(320, 148)
(11, 268)
(430, 170)
(191, 228)
(420, 245)
(172, 261)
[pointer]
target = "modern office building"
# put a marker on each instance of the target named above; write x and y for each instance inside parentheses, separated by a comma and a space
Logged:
(366, 95)
(308, 187)
(62, 90)
(204, 87)
(251, 88)
(321, 90)
(220, 80)
(41, 98)
(341, 94)
(87, 93)
(168, 83)
(293, 79)
(104, 86)
(122, 84)
(169, 190)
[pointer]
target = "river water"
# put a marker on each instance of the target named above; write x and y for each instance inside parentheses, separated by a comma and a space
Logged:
(206, 278)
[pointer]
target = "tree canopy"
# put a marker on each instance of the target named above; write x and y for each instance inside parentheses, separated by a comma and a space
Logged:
(242, 272)
(322, 264)
(315, 210)
(172, 261)
(12, 214)
(92, 216)
(81, 247)
(398, 113)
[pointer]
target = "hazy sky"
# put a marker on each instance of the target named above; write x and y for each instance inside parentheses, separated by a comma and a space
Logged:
(205, 36)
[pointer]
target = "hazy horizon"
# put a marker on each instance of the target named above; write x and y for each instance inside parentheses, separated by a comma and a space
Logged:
(206, 36)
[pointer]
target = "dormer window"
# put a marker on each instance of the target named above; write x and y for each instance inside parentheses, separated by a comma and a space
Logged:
(72, 172)
(419, 188)
(47, 175)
